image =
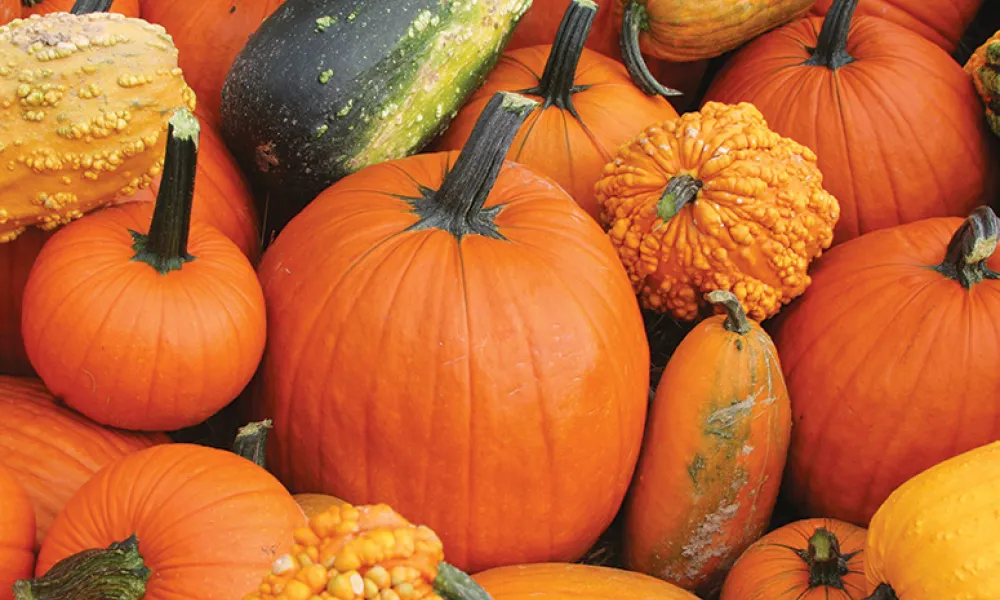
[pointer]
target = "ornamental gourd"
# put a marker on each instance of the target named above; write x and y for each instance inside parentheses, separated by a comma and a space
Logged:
(712, 456)
(572, 581)
(936, 535)
(896, 124)
(176, 300)
(813, 559)
(423, 307)
(17, 534)
(891, 361)
(53, 450)
(983, 66)
(89, 115)
(716, 200)
(16, 259)
(129, 8)
(172, 521)
(588, 108)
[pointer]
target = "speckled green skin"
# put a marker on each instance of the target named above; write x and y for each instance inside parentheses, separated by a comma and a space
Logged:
(327, 87)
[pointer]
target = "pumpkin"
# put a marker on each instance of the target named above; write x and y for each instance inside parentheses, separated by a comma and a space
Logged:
(17, 534)
(530, 329)
(812, 559)
(712, 457)
(209, 35)
(177, 300)
(16, 259)
(79, 134)
(52, 450)
(982, 66)
(588, 108)
(129, 8)
(174, 521)
(895, 122)
(692, 30)
(894, 320)
(935, 536)
(716, 200)
(569, 581)
(940, 21)
(9, 10)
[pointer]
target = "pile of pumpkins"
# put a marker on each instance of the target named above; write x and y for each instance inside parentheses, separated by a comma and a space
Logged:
(422, 266)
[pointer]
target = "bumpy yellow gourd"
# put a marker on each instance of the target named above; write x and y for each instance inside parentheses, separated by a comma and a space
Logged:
(938, 535)
(716, 200)
(84, 104)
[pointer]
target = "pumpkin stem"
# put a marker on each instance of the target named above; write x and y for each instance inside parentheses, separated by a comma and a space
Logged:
(458, 207)
(165, 246)
(971, 246)
(831, 47)
(82, 7)
(114, 573)
(827, 566)
(251, 441)
(884, 591)
(634, 20)
(556, 86)
(454, 584)
(736, 318)
(680, 190)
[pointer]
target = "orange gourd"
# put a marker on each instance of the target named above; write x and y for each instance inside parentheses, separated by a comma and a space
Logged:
(890, 361)
(17, 534)
(180, 303)
(813, 559)
(588, 108)
(712, 457)
(129, 8)
(894, 120)
(570, 581)
(716, 200)
(52, 450)
(16, 259)
(168, 522)
(424, 308)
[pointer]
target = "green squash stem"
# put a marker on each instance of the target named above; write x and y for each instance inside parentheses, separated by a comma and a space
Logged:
(113, 573)
(251, 442)
(827, 565)
(82, 7)
(736, 318)
(556, 86)
(634, 21)
(680, 190)
(454, 584)
(971, 246)
(831, 47)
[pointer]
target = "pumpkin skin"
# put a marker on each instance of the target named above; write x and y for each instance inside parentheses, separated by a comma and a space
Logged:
(572, 135)
(902, 135)
(17, 534)
(95, 282)
(940, 21)
(129, 8)
(935, 536)
(9, 10)
(581, 351)
(741, 227)
(209, 35)
(883, 326)
(208, 521)
(52, 450)
(712, 456)
(568, 581)
(16, 259)
(72, 152)
(780, 565)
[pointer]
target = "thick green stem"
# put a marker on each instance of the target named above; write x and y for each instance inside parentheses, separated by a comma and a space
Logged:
(884, 591)
(165, 246)
(680, 190)
(82, 7)
(971, 246)
(556, 86)
(827, 566)
(634, 21)
(736, 318)
(251, 442)
(114, 573)
(458, 206)
(454, 584)
(831, 47)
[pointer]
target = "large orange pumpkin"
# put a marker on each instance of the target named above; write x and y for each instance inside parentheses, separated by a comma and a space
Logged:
(17, 534)
(129, 8)
(9, 10)
(51, 450)
(570, 581)
(894, 120)
(589, 107)
(940, 21)
(891, 361)
(207, 523)
(453, 335)
(16, 259)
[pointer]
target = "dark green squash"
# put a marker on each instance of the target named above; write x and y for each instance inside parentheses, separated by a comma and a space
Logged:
(327, 87)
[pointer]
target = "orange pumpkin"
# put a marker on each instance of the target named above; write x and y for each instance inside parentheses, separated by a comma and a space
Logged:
(569, 581)
(712, 457)
(891, 361)
(16, 259)
(17, 534)
(813, 559)
(129, 8)
(589, 107)
(196, 522)
(180, 303)
(9, 10)
(894, 120)
(527, 329)
(51, 450)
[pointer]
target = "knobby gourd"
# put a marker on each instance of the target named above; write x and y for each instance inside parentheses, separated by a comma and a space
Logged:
(983, 66)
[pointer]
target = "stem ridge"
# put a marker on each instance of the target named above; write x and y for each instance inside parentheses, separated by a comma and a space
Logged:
(556, 85)
(113, 573)
(971, 246)
(634, 20)
(831, 47)
(82, 7)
